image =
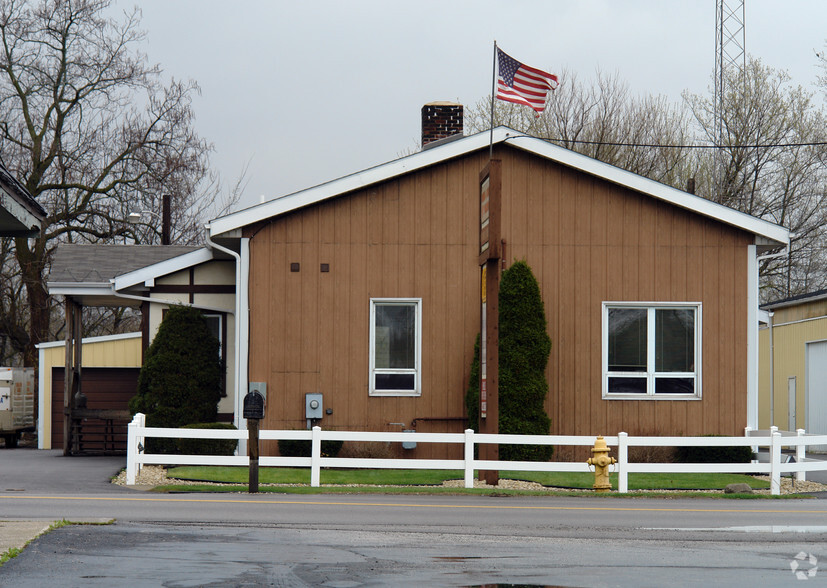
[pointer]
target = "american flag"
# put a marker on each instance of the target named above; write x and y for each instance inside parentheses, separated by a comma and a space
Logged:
(521, 84)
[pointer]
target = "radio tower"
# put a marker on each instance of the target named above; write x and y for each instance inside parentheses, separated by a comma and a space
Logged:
(730, 57)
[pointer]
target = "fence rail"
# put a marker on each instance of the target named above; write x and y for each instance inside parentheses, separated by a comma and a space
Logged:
(773, 441)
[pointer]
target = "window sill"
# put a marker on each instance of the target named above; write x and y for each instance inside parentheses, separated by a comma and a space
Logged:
(380, 393)
(656, 397)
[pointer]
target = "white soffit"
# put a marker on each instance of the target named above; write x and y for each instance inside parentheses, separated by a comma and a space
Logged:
(539, 147)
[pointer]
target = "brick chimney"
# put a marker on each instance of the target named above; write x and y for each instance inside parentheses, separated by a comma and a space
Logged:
(441, 120)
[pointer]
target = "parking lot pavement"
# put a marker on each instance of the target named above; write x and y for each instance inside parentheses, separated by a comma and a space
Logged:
(49, 471)
(37, 471)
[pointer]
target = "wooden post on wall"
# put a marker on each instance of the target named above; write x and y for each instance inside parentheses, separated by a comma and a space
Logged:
(489, 258)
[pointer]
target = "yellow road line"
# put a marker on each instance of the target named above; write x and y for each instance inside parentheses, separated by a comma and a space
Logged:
(411, 505)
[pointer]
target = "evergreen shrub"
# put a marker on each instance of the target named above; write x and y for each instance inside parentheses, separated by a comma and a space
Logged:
(524, 350)
(180, 381)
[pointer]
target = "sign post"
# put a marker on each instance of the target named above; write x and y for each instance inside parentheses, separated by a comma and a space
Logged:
(489, 260)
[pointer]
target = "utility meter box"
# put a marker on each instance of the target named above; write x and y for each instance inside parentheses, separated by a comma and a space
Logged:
(313, 407)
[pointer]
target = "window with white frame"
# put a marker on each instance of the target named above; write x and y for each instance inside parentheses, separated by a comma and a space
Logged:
(651, 350)
(395, 346)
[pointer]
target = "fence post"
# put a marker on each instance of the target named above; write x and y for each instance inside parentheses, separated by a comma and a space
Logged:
(469, 458)
(132, 450)
(754, 448)
(775, 463)
(623, 463)
(315, 457)
(800, 454)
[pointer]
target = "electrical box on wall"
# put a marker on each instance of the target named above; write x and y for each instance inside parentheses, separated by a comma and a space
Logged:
(313, 406)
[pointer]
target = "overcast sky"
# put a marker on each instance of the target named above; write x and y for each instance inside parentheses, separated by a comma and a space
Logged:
(308, 91)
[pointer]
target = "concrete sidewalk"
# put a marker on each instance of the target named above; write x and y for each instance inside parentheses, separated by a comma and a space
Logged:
(15, 534)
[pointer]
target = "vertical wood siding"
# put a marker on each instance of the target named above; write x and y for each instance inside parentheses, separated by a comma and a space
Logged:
(587, 242)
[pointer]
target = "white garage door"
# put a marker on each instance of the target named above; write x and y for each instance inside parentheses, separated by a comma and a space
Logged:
(817, 390)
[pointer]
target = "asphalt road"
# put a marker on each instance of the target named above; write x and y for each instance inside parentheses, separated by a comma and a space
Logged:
(370, 540)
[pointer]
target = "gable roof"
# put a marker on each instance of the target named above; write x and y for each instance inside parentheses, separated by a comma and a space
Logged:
(767, 234)
(20, 214)
(87, 272)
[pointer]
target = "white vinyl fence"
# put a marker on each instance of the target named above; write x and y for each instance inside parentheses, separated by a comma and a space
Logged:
(773, 441)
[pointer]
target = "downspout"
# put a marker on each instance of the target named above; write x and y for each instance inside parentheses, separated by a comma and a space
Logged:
(240, 332)
(752, 337)
(772, 373)
(758, 261)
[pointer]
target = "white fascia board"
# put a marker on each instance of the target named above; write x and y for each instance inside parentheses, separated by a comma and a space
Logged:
(79, 288)
(85, 340)
(163, 268)
(798, 300)
(633, 181)
(359, 180)
(28, 220)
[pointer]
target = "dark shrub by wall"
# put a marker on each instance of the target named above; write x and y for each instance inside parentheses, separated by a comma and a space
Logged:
(731, 454)
(180, 381)
(301, 448)
(208, 446)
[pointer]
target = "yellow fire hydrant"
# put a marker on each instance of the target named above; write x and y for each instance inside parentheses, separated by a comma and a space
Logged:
(601, 462)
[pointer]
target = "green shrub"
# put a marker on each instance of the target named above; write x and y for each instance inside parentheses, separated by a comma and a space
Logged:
(728, 454)
(180, 381)
(524, 350)
(208, 446)
(302, 448)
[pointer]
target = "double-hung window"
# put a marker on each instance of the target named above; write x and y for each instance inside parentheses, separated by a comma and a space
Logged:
(651, 350)
(395, 346)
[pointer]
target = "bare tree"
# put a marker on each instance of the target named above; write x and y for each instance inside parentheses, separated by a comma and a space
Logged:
(771, 165)
(93, 132)
(602, 120)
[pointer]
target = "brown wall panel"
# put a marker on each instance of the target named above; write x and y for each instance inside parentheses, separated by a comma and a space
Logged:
(587, 241)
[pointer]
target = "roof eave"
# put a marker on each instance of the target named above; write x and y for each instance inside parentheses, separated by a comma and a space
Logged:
(768, 235)
(163, 268)
(356, 181)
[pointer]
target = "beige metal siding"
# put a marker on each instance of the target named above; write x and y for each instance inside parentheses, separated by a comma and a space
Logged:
(792, 330)
(102, 352)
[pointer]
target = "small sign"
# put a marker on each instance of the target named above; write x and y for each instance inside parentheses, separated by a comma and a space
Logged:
(489, 209)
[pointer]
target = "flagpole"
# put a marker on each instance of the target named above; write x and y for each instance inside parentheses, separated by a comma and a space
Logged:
(493, 87)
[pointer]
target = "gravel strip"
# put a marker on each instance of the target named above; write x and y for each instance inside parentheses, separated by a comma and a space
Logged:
(151, 475)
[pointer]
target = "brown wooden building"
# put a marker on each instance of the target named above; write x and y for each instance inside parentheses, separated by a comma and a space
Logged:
(367, 291)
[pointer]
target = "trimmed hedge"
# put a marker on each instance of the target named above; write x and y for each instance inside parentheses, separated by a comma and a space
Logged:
(729, 454)
(302, 448)
(208, 446)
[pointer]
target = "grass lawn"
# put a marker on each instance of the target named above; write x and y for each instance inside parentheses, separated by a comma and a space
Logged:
(640, 481)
